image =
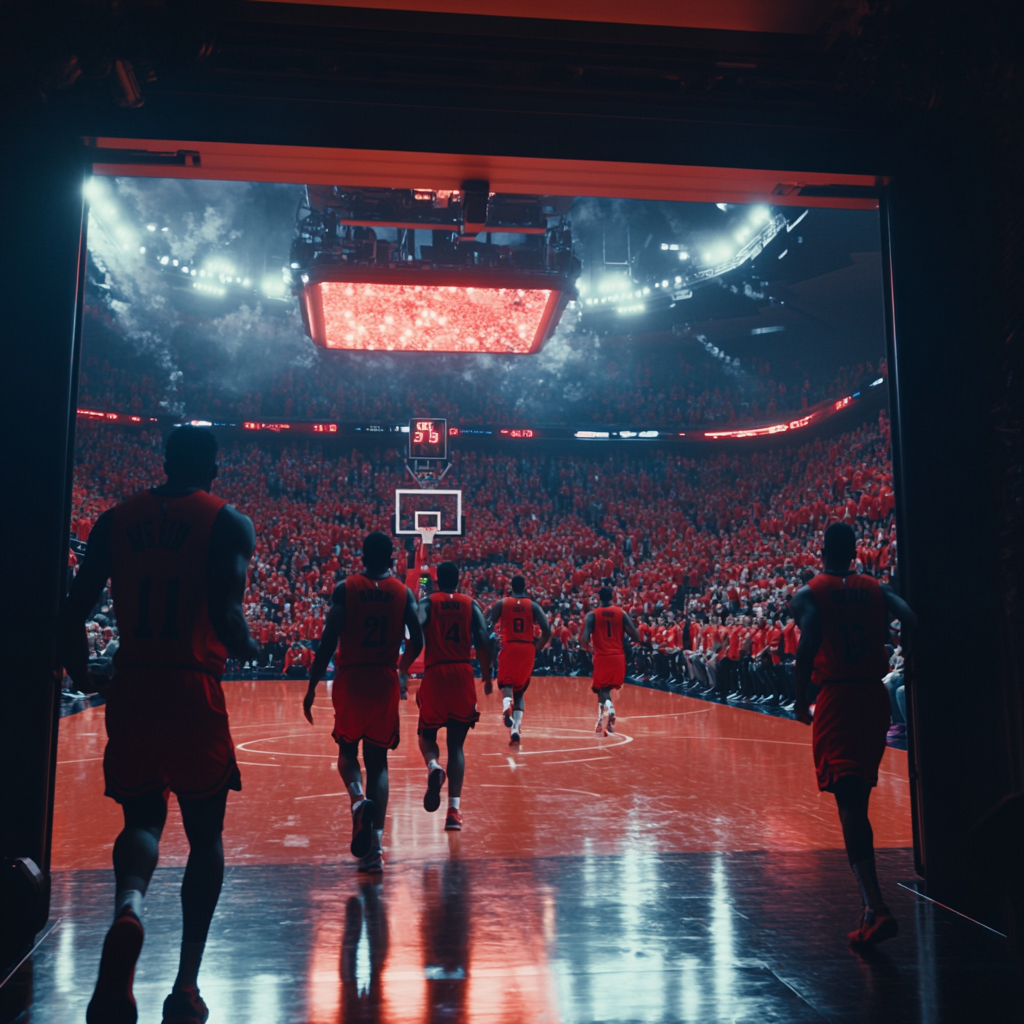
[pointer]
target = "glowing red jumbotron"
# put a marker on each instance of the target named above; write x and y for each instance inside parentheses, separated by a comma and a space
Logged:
(433, 318)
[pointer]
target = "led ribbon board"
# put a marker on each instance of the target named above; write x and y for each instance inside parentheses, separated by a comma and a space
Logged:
(406, 310)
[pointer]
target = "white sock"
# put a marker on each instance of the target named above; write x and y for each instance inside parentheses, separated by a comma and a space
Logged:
(517, 720)
(453, 802)
(432, 764)
(608, 707)
(506, 703)
(128, 899)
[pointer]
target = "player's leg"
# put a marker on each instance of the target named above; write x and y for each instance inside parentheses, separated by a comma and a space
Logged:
(200, 889)
(518, 707)
(603, 694)
(136, 851)
(435, 773)
(877, 924)
(363, 809)
(455, 738)
(506, 705)
(376, 759)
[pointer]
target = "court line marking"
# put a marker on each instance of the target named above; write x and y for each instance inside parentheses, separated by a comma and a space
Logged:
(566, 750)
(547, 764)
(677, 714)
(580, 792)
(80, 760)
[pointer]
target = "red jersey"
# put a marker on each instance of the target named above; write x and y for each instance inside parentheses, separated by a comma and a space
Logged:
(516, 620)
(374, 622)
(159, 552)
(854, 628)
(608, 630)
(448, 634)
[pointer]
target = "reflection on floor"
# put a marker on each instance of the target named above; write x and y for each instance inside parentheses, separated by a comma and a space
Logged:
(682, 870)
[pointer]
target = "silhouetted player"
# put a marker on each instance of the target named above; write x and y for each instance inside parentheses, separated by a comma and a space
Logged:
(606, 626)
(176, 557)
(844, 627)
(366, 626)
(514, 618)
(452, 625)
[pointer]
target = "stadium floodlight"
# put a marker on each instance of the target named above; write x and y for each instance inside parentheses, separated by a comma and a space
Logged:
(684, 255)
(432, 310)
(151, 227)
(164, 260)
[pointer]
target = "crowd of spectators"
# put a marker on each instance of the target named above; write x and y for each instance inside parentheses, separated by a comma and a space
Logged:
(704, 553)
(676, 386)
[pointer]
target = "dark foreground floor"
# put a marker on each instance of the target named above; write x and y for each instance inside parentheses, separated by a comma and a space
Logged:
(707, 937)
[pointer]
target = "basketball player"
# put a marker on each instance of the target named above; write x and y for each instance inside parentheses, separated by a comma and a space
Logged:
(452, 625)
(844, 627)
(607, 625)
(176, 557)
(364, 630)
(514, 618)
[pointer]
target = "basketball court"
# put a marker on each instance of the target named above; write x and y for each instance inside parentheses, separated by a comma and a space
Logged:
(648, 875)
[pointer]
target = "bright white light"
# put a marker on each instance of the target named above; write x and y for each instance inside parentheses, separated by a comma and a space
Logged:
(305, 278)
(674, 248)
(273, 286)
(192, 272)
(295, 266)
(184, 270)
(174, 263)
(684, 255)
(627, 433)
(783, 253)
(590, 435)
(760, 214)
(648, 433)
(647, 291)
(664, 284)
(664, 247)
(722, 206)
(163, 229)
(142, 250)
(875, 383)
(151, 227)
(246, 283)
(93, 190)
(742, 235)
(164, 260)
(679, 280)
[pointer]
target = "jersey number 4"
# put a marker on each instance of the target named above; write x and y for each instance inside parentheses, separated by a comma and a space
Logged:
(376, 627)
(143, 629)
(454, 634)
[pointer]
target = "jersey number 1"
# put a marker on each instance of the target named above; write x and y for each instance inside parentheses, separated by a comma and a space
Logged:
(143, 630)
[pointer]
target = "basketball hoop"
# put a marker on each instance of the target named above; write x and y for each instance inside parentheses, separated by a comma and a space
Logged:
(427, 533)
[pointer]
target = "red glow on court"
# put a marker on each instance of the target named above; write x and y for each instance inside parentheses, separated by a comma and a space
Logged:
(433, 318)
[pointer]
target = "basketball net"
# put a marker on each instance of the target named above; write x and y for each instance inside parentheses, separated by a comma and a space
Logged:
(427, 534)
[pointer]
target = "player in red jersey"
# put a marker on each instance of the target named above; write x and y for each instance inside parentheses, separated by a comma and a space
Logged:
(452, 626)
(607, 625)
(844, 627)
(514, 618)
(364, 631)
(176, 557)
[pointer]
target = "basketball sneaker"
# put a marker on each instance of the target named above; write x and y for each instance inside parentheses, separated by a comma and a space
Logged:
(875, 926)
(453, 821)
(362, 828)
(599, 728)
(113, 1002)
(373, 862)
(506, 716)
(514, 737)
(611, 720)
(185, 1006)
(432, 798)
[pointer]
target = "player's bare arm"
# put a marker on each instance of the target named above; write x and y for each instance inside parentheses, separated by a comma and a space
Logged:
(629, 629)
(484, 649)
(588, 629)
(232, 543)
(414, 644)
(808, 618)
(545, 627)
(333, 625)
(85, 592)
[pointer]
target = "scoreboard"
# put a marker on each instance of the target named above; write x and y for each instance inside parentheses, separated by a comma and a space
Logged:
(428, 438)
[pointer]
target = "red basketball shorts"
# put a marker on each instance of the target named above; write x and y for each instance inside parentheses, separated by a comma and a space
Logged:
(447, 694)
(167, 729)
(365, 699)
(851, 720)
(515, 665)
(609, 671)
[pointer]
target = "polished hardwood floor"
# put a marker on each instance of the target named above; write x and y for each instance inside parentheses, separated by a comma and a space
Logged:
(684, 869)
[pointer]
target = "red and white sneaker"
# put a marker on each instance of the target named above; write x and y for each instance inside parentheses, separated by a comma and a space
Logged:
(453, 822)
(875, 926)
(185, 1006)
(611, 721)
(506, 716)
(113, 1002)
(599, 728)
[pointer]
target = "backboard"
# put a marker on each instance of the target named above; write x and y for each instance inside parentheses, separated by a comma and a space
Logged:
(425, 507)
